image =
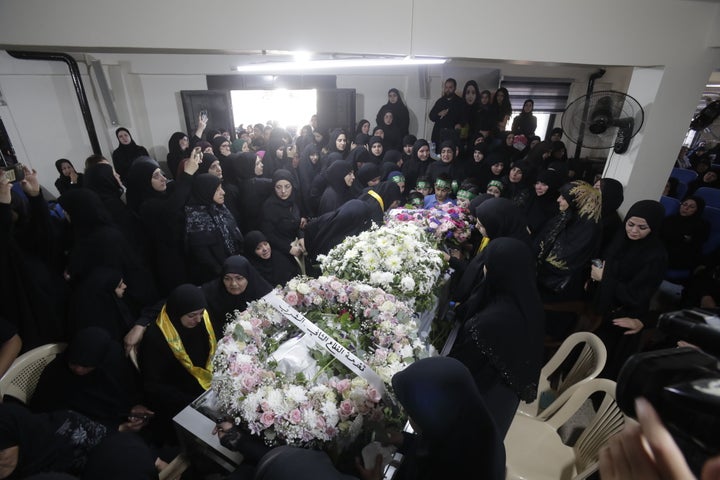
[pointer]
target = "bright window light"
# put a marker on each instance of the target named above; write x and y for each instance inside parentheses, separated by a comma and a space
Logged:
(288, 108)
(303, 65)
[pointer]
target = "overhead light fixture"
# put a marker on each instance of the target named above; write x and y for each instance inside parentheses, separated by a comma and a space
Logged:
(712, 85)
(305, 64)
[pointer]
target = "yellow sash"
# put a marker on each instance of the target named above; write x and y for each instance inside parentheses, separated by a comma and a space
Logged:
(483, 243)
(378, 198)
(202, 375)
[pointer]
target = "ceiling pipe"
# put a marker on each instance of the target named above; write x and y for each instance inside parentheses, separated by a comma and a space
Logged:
(586, 111)
(77, 84)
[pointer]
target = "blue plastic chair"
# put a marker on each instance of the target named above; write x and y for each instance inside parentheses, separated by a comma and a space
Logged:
(672, 205)
(681, 190)
(684, 175)
(712, 215)
(710, 195)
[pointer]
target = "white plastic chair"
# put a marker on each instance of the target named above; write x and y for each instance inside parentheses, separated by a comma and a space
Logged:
(535, 450)
(587, 366)
(22, 377)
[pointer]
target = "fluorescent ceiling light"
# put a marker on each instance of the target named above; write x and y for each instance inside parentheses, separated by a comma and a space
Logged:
(712, 85)
(337, 63)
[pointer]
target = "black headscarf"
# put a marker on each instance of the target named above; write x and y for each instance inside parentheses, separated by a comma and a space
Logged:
(501, 218)
(276, 270)
(85, 209)
(203, 189)
(101, 180)
(414, 168)
(175, 153)
(457, 431)
(185, 299)
(96, 304)
(221, 304)
(139, 186)
(367, 172)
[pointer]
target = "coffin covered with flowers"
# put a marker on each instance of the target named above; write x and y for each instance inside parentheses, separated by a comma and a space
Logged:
(446, 224)
(399, 258)
(311, 363)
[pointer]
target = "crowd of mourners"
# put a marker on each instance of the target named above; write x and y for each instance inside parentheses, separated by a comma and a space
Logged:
(140, 264)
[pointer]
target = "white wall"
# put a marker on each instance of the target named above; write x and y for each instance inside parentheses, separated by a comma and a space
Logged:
(152, 50)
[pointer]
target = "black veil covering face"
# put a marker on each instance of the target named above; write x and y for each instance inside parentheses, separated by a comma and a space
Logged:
(457, 433)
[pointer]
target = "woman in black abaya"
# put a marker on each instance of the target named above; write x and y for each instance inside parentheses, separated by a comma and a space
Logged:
(35, 443)
(98, 243)
(400, 113)
(238, 284)
(457, 433)
(126, 153)
(98, 301)
(418, 164)
(505, 363)
(633, 268)
(101, 179)
(69, 177)
(92, 377)
(178, 149)
(281, 220)
(160, 206)
(211, 233)
(275, 268)
(340, 177)
(176, 354)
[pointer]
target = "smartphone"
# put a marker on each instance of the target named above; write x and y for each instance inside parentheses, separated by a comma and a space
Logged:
(141, 416)
(16, 173)
(204, 115)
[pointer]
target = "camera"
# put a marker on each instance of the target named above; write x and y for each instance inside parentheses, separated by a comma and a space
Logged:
(14, 173)
(683, 384)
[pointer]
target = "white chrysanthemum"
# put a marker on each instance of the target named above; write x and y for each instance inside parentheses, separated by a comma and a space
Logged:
(296, 394)
(407, 283)
(275, 400)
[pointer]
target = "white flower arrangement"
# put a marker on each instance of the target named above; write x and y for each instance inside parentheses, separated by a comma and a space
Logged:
(308, 398)
(399, 258)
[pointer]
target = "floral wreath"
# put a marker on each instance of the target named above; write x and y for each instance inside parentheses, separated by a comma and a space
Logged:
(399, 258)
(289, 393)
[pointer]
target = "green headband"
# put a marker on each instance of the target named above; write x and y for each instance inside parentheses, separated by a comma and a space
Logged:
(422, 185)
(440, 183)
(496, 183)
(398, 179)
(466, 195)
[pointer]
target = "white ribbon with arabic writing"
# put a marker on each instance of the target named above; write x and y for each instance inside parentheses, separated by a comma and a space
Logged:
(325, 341)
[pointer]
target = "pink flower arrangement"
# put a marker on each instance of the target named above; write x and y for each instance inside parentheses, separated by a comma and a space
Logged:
(446, 223)
(325, 402)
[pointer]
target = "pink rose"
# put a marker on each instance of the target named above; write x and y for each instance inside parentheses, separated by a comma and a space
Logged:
(255, 322)
(373, 394)
(267, 419)
(346, 409)
(249, 382)
(343, 385)
(295, 416)
(292, 298)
